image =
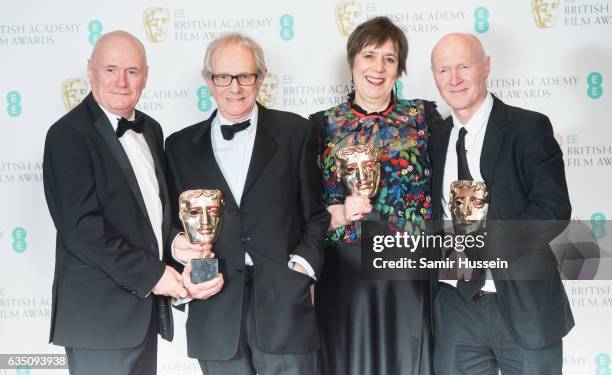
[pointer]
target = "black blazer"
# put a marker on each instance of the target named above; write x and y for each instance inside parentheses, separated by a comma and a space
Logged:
(107, 260)
(280, 213)
(522, 165)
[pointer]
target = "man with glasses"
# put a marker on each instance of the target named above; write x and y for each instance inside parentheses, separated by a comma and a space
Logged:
(256, 316)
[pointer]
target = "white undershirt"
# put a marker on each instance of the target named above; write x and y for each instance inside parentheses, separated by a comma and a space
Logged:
(138, 153)
(476, 128)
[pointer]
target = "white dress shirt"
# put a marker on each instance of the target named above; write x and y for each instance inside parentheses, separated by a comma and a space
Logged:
(140, 157)
(474, 138)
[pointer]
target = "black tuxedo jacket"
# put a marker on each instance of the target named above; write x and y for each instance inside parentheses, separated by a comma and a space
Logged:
(279, 214)
(107, 259)
(522, 166)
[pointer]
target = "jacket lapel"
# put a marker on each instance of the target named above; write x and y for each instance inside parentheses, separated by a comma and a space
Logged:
(205, 158)
(105, 129)
(493, 140)
(264, 148)
(149, 137)
(439, 147)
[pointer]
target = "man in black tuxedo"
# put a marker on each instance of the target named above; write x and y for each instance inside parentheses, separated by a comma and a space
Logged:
(257, 315)
(501, 323)
(105, 186)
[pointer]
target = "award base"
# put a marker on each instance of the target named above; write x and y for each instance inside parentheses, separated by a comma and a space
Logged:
(204, 269)
(369, 225)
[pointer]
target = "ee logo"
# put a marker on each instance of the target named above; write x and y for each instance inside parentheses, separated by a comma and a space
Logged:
(594, 80)
(602, 361)
(286, 31)
(19, 243)
(399, 89)
(481, 19)
(204, 102)
(598, 225)
(14, 103)
(95, 31)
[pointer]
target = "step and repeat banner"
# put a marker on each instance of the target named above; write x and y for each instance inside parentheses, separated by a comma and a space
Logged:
(552, 56)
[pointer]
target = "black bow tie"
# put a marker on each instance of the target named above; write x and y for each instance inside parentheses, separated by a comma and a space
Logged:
(124, 125)
(228, 131)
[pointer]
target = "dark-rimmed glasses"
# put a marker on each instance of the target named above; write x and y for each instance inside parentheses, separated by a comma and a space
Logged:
(244, 79)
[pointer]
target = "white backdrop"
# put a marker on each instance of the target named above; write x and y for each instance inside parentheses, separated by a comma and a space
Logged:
(559, 66)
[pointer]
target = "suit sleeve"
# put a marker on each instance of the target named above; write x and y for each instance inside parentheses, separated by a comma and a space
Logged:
(548, 211)
(175, 224)
(544, 175)
(315, 219)
(78, 215)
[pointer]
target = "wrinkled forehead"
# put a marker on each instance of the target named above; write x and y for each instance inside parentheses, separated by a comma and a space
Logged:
(358, 157)
(205, 199)
(357, 153)
(469, 192)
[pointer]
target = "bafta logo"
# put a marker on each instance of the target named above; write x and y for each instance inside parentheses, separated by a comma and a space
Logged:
(267, 92)
(545, 12)
(74, 91)
(156, 21)
(348, 16)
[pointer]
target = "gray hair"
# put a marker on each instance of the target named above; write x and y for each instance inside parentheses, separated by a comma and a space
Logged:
(237, 38)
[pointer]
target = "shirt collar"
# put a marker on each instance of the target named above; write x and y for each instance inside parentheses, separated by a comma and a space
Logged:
(220, 120)
(114, 120)
(480, 118)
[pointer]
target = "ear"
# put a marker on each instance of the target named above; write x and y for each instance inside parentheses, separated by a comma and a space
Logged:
(262, 75)
(487, 66)
(207, 78)
(146, 77)
(90, 71)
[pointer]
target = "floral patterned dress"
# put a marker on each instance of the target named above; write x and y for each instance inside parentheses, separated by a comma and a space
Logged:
(376, 326)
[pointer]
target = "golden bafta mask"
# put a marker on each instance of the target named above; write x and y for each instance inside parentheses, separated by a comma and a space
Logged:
(74, 91)
(156, 20)
(200, 213)
(358, 167)
(267, 92)
(348, 16)
(468, 204)
(545, 12)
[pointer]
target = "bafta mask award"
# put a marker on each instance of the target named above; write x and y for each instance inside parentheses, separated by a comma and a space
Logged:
(468, 204)
(200, 213)
(358, 167)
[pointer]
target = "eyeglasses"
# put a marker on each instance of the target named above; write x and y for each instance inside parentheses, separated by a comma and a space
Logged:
(244, 79)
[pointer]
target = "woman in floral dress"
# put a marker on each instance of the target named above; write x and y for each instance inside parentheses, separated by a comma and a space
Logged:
(375, 327)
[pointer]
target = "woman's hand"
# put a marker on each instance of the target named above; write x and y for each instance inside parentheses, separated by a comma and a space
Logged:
(354, 208)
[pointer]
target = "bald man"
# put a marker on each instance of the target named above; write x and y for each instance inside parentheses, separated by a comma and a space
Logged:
(503, 321)
(105, 187)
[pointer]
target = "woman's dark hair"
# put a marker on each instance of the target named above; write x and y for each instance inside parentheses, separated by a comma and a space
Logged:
(377, 31)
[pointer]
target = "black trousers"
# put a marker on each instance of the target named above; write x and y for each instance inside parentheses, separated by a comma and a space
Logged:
(139, 360)
(249, 360)
(472, 338)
